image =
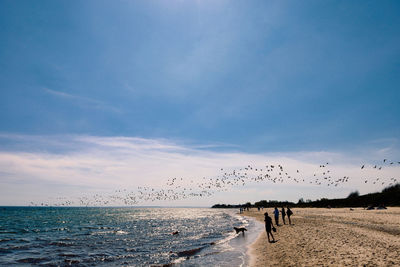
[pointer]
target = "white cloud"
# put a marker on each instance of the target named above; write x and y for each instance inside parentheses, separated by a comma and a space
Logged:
(82, 101)
(94, 164)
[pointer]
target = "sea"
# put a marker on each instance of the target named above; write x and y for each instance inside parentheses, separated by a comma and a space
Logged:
(124, 236)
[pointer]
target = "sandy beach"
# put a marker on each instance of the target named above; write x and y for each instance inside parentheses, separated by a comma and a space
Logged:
(334, 237)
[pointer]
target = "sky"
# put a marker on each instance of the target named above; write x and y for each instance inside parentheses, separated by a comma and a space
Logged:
(97, 96)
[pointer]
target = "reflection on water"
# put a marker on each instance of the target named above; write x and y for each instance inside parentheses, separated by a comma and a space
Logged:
(120, 236)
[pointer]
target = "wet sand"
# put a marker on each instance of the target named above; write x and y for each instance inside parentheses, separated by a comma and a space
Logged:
(330, 237)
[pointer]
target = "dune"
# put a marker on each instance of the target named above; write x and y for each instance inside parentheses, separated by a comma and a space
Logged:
(335, 237)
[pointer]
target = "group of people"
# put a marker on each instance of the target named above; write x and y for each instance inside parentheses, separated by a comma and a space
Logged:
(269, 227)
(244, 209)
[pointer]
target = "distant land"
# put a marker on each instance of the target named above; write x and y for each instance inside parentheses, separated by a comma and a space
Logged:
(390, 196)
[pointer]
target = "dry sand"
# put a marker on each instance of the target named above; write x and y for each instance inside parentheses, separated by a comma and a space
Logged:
(331, 237)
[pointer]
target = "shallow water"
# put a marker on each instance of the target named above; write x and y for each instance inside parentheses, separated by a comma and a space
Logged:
(123, 236)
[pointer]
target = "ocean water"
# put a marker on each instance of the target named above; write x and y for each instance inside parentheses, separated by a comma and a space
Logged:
(46, 236)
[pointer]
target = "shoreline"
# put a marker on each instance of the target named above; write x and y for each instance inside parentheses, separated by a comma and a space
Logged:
(256, 226)
(252, 252)
(320, 236)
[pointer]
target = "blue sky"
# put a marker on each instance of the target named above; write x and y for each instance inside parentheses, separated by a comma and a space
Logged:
(250, 77)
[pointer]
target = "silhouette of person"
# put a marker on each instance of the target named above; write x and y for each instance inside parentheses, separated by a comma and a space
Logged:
(283, 215)
(268, 227)
(289, 213)
(276, 213)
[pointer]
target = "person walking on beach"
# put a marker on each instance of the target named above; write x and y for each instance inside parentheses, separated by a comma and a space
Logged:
(268, 227)
(276, 213)
(283, 215)
(289, 213)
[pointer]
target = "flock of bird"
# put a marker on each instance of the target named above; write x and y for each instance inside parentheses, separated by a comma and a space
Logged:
(179, 188)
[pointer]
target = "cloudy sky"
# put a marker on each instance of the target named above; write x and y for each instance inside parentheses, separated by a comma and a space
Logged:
(97, 96)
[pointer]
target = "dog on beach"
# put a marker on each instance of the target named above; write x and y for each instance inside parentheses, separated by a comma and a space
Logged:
(240, 229)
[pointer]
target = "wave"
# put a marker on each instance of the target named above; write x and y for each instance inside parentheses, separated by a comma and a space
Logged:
(33, 260)
(71, 261)
(121, 238)
(192, 252)
(62, 244)
(13, 248)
